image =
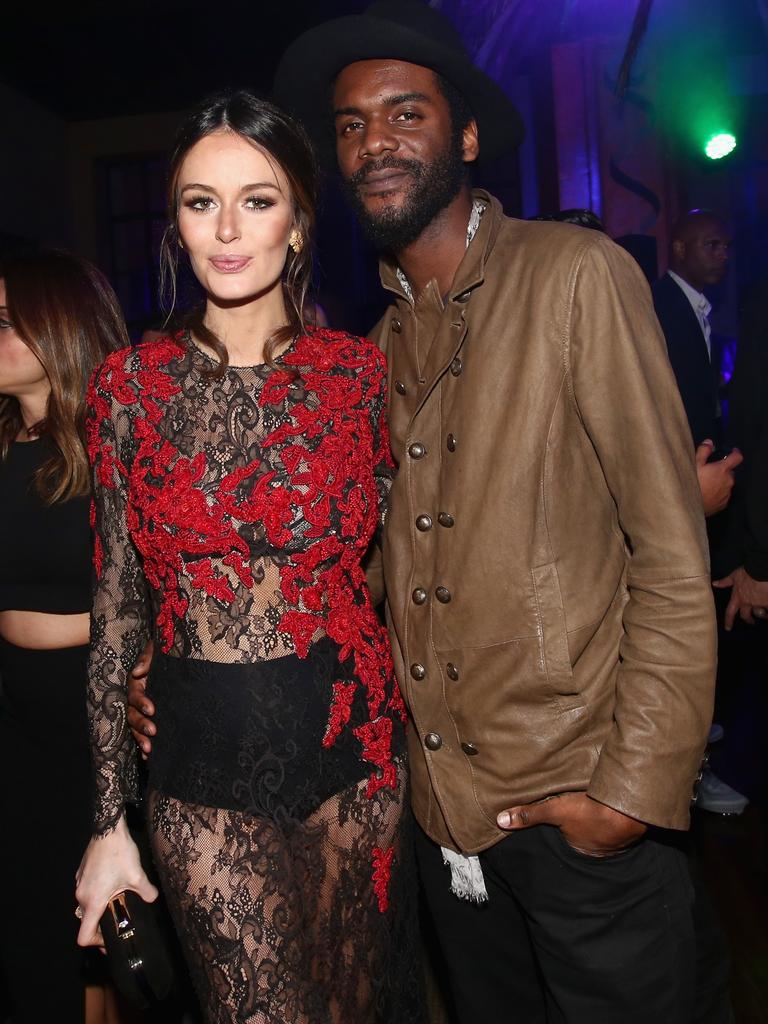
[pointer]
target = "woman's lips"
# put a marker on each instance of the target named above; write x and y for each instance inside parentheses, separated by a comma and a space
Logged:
(230, 264)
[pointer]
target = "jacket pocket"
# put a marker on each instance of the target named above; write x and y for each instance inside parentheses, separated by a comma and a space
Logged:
(554, 657)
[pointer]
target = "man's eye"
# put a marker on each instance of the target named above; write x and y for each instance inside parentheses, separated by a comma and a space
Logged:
(351, 126)
(409, 115)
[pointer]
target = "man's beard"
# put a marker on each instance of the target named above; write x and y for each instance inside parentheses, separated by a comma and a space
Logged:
(433, 187)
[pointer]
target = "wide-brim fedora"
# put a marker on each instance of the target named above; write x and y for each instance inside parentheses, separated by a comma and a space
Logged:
(406, 30)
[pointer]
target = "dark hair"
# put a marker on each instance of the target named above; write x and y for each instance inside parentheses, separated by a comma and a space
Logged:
(581, 217)
(282, 139)
(461, 112)
(66, 313)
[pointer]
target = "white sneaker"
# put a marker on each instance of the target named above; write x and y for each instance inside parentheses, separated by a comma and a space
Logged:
(717, 796)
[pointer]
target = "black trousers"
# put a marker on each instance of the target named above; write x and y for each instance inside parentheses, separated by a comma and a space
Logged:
(565, 938)
(45, 787)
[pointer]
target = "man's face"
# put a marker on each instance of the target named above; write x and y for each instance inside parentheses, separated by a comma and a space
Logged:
(701, 257)
(401, 159)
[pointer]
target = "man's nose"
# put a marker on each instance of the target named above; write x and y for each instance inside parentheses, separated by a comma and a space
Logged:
(378, 138)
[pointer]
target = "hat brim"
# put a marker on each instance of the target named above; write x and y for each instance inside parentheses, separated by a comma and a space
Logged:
(311, 63)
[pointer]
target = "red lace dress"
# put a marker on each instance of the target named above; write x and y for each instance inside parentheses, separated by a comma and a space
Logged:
(231, 517)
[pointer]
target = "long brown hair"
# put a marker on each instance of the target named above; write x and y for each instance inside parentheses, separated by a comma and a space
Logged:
(281, 139)
(66, 312)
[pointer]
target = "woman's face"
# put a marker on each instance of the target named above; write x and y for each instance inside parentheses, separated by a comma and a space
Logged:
(21, 372)
(235, 217)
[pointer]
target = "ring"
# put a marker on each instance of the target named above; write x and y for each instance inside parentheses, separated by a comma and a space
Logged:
(759, 613)
(79, 912)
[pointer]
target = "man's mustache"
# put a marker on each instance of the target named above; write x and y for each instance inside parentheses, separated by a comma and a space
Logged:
(387, 163)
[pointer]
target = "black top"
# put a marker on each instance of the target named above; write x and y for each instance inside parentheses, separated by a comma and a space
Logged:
(696, 378)
(45, 551)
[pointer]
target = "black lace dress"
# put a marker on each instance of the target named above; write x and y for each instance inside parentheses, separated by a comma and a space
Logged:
(231, 517)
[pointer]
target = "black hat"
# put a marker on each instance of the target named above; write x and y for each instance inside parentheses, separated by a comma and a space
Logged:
(404, 30)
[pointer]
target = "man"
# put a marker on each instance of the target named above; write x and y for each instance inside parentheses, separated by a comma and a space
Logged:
(698, 259)
(544, 554)
(747, 547)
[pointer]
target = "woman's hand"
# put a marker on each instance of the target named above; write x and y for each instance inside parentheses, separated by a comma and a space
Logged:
(110, 865)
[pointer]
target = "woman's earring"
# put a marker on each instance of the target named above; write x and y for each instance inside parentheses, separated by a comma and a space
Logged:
(296, 241)
(180, 243)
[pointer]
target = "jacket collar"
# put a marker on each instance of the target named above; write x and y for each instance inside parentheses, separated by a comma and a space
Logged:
(471, 271)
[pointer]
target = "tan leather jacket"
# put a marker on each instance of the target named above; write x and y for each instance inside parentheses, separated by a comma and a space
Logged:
(545, 557)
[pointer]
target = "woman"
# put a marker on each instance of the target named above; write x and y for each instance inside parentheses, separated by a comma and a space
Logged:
(240, 473)
(59, 319)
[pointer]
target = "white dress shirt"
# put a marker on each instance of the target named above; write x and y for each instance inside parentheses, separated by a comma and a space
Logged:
(700, 304)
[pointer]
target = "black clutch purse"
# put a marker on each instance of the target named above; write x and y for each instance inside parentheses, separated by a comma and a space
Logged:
(137, 945)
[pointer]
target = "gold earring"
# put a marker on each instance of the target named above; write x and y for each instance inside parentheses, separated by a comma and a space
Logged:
(296, 241)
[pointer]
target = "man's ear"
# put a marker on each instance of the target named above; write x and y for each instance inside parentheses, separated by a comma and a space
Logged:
(678, 250)
(470, 146)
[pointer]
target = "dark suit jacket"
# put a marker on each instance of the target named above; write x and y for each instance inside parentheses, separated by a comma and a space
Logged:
(748, 430)
(688, 355)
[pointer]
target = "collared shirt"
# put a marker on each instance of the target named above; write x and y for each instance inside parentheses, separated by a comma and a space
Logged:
(700, 304)
(478, 209)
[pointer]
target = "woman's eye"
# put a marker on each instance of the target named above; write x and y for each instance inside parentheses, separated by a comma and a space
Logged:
(199, 203)
(5, 325)
(258, 203)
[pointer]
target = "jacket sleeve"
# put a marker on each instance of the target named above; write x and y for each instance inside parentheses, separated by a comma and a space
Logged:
(625, 392)
(119, 617)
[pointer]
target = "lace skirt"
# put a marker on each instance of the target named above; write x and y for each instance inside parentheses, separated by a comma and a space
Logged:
(292, 890)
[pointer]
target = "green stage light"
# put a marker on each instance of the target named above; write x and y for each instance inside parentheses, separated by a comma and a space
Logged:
(719, 145)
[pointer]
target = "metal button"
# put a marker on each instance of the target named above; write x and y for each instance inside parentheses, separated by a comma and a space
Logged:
(443, 595)
(424, 523)
(453, 672)
(417, 450)
(450, 442)
(469, 749)
(433, 741)
(418, 671)
(456, 367)
(419, 595)
(396, 326)
(446, 519)
(400, 388)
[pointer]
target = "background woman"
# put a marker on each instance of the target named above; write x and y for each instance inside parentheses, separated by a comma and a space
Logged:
(59, 319)
(240, 470)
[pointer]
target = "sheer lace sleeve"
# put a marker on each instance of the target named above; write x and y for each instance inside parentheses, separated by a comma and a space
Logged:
(383, 464)
(119, 617)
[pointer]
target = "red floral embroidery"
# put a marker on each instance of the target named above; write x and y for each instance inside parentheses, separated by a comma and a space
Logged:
(382, 870)
(341, 709)
(321, 474)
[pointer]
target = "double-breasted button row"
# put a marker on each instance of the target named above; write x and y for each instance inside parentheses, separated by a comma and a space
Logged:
(443, 594)
(419, 595)
(400, 388)
(396, 325)
(469, 749)
(451, 442)
(456, 367)
(446, 519)
(417, 450)
(418, 671)
(433, 741)
(423, 523)
(453, 672)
